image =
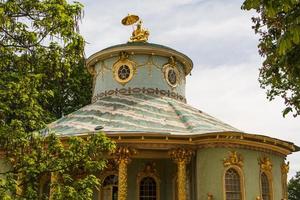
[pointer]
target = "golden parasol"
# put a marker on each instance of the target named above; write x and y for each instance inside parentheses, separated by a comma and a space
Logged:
(130, 19)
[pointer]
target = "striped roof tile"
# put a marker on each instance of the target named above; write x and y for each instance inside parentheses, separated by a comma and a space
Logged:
(139, 113)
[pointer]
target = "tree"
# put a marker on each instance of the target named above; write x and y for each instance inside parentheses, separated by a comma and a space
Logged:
(47, 167)
(278, 25)
(42, 77)
(294, 187)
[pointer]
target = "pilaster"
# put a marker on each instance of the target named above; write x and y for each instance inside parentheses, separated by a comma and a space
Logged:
(181, 157)
(123, 158)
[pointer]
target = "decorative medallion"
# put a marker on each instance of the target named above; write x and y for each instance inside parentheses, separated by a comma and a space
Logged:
(233, 159)
(149, 170)
(124, 69)
(171, 73)
(265, 164)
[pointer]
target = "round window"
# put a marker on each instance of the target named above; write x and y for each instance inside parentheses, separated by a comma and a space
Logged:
(172, 76)
(123, 72)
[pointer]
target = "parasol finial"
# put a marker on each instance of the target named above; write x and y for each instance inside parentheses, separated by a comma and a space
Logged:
(139, 34)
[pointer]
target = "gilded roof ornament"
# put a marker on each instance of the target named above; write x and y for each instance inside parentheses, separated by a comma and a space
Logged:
(233, 159)
(139, 34)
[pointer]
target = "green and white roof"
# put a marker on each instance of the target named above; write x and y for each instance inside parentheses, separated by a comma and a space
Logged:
(139, 113)
(146, 102)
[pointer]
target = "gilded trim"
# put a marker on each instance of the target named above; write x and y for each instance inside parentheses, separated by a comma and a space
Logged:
(148, 49)
(123, 157)
(242, 180)
(137, 90)
(233, 159)
(270, 181)
(206, 140)
(181, 156)
(124, 61)
(284, 171)
(266, 166)
(171, 65)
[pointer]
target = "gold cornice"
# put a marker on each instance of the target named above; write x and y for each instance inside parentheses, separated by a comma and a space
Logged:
(139, 49)
(208, 140)
(147, 140)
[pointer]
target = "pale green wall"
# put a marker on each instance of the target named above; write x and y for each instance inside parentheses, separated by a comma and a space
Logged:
(166, 170)
(146, 76)
(210, 169)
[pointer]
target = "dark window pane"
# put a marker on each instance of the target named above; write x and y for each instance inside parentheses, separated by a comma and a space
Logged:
(147, 189)
(232, 185)
(265, 188)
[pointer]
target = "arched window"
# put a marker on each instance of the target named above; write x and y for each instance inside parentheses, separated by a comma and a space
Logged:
(232, 185)
(265, 187)
(148, 189)
(109, 188)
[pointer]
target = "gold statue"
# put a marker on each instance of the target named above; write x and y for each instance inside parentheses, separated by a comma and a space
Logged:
(210, 196)
(265, 164)
(233, 159)
(139, 34)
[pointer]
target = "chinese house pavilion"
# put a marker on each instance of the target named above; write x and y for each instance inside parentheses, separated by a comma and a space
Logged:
(168, 150)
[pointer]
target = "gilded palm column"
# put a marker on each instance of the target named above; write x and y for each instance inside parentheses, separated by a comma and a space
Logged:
(54, 187)
(181, 157)
(123, 155)
(284, 171)
(19, 188)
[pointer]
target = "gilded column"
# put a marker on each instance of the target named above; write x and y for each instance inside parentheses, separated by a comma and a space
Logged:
(284, 171)
(181, 157)
(53, 186)
(19, 188)
(123, 155)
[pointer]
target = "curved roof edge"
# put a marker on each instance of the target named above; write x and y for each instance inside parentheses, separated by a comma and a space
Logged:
(139, 48)
(217, 139)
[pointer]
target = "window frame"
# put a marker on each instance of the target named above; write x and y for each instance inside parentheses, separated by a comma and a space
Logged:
(242, 180)
(270, 182)
(102, 178)
(156, 188)
(151, 172)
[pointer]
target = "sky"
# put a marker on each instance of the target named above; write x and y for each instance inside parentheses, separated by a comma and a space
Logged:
(217, 36)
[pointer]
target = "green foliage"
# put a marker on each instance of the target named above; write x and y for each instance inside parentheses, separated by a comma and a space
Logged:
(32, 158)
(42, 77)
(278, 24)
(42, 74)
(294, 187)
